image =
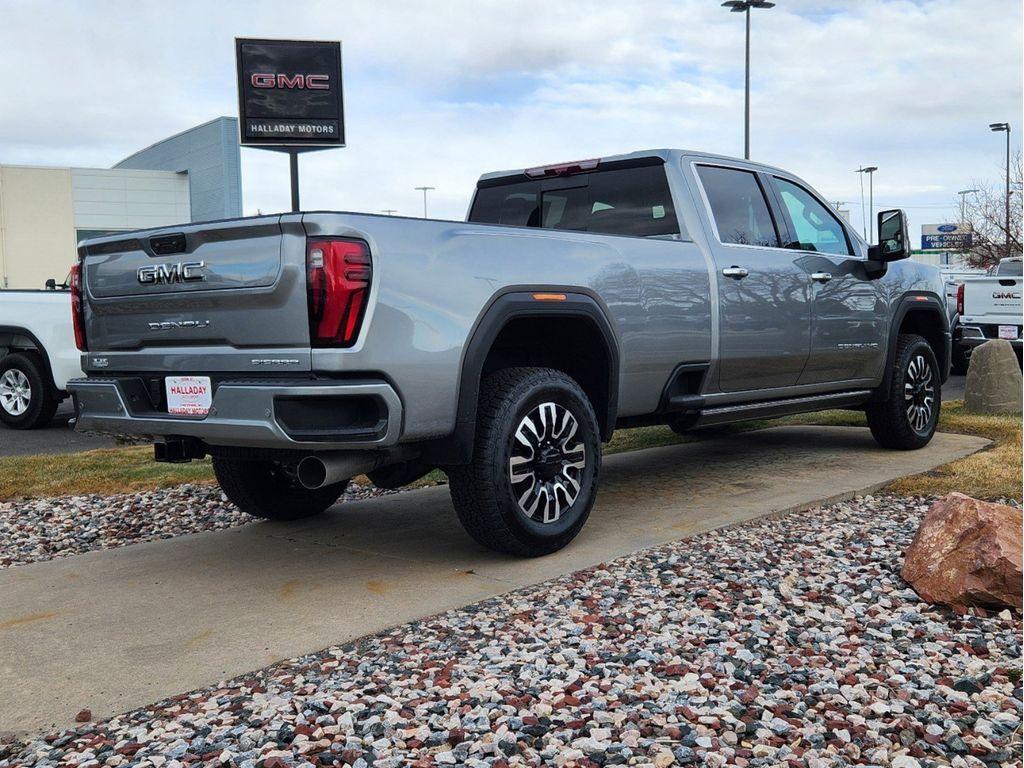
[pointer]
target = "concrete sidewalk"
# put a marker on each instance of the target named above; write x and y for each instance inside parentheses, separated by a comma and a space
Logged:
(118, 629)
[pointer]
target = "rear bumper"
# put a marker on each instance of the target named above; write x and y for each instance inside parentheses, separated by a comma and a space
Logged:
(314, 415)
(974, 335)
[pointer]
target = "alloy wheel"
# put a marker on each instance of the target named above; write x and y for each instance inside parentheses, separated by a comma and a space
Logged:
(15, 392)
(547, 462)
(919, 393)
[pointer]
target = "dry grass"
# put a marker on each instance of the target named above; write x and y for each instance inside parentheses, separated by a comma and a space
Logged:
(106, 471)
(991, 474)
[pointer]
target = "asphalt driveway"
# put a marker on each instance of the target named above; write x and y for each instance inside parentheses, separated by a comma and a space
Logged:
(58, 436)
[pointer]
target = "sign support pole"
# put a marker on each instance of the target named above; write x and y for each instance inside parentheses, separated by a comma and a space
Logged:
(293, 163)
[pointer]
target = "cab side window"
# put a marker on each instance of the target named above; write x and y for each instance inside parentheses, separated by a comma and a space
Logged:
(817, 228)
(739, 206)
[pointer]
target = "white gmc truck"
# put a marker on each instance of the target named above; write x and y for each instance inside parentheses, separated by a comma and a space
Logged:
(37, 355)
(988, 307)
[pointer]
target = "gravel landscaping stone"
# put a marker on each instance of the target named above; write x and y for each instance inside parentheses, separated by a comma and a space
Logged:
(789, 641)
(46, 528)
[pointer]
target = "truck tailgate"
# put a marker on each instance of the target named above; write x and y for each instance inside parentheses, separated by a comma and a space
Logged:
(217, 288)
(995, 300)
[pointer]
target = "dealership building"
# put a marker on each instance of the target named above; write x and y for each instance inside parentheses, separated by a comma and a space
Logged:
(44, 211)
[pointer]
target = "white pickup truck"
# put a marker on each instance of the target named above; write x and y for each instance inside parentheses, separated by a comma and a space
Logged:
(37, 355)
(988, 307)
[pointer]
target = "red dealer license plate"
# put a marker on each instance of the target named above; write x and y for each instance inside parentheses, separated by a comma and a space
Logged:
(188, 395)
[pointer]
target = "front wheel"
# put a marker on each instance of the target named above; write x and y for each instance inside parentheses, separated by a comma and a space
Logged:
(266, 489)
(907, 418)
(533, 478)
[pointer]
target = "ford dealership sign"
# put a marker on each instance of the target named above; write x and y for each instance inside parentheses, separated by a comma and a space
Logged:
(289, 93)
(945, 237)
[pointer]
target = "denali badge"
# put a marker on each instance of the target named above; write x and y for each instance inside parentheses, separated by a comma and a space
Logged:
(173, 325)
(858, 345)
(171, 273)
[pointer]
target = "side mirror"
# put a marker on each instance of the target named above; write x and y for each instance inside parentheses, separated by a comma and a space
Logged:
(893, 237)
(51, 284)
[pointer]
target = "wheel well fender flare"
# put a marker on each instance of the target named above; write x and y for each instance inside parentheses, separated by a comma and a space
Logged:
(924, 302)
(519, 303)
(14, 330)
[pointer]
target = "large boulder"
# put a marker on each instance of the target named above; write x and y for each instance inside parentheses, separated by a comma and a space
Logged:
(994, 382)
(967, 552)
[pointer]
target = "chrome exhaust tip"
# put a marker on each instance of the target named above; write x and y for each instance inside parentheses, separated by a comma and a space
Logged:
(319, 470)
(311, 473)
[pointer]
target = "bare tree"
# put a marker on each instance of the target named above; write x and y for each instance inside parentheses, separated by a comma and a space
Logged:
(985, 213)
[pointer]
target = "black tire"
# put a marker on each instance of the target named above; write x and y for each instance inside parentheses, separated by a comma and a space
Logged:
(264, 489)
(485, 493)
(891, 424)
(28, 398)
(961, 359)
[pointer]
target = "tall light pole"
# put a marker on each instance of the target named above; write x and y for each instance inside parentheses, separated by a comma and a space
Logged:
(963, 206)
(744, 6)
(425, 190)
(870, 171)
(997, 127)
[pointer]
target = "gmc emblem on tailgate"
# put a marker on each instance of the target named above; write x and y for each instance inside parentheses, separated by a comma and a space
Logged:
(171, 273)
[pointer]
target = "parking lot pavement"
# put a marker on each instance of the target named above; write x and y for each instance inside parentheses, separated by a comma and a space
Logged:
(58, 437)
(117, 629)
(954, 388)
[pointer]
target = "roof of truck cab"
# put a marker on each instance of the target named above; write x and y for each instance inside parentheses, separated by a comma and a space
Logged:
(668, 155)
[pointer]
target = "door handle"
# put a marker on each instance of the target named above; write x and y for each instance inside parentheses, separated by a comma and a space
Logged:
(821, 277)
(736, 273)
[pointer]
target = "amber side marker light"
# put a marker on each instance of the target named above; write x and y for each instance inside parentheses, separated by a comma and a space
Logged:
(549, 297)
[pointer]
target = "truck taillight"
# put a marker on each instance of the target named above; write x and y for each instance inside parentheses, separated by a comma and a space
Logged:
(77, 308)
(960, 299)
(337, 283)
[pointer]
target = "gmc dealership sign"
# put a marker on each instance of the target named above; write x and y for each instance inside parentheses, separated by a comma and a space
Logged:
(289, 93)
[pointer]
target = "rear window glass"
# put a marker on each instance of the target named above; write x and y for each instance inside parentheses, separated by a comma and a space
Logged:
(739, 207)
(624, 201)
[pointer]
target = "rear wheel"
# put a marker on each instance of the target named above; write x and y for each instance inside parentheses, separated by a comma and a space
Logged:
(27, 397)
(267, 489)
(907, 418)
(536, 458)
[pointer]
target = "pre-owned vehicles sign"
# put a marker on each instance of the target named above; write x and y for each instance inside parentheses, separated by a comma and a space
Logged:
(950, 237)
(289, 93)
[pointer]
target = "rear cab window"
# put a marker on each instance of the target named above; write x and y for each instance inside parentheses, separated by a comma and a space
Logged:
(635, 201)
(738, 206)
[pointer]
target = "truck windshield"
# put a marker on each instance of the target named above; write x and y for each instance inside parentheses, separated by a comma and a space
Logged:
(624, 201)
(1008, 268)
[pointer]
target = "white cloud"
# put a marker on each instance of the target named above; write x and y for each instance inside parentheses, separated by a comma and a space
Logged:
(439, 92)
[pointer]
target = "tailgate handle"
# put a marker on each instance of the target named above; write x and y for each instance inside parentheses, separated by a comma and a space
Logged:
(163, 245)
(1008, 283)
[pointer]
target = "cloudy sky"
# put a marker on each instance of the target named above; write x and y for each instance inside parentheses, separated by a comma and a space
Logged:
(438, 92)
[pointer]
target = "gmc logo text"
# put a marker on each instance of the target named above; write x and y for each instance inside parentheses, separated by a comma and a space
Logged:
(301, 82)
(181, 272)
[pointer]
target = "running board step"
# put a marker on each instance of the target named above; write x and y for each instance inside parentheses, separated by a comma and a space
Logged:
(773, 408)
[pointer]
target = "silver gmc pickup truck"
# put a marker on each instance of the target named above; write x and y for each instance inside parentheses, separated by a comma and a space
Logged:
(658, 287)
